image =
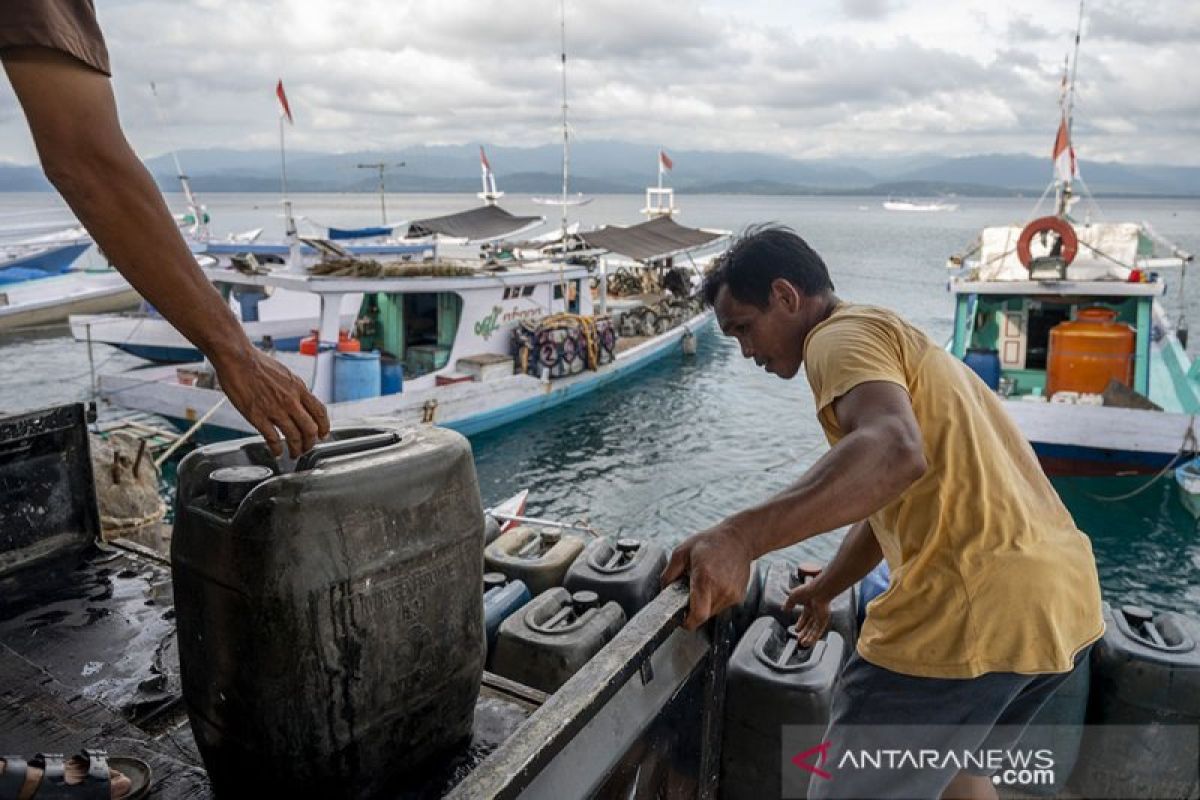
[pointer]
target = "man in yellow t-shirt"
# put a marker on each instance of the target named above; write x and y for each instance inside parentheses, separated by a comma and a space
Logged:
(994, 596)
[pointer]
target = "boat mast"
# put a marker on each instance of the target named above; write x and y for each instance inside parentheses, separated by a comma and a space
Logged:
(1068, 103)
(566, 136)
(198, 212)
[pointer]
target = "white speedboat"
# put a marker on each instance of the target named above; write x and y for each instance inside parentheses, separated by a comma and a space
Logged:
(918, 205)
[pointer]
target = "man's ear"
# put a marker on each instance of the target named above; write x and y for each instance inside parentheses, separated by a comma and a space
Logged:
(786, 293)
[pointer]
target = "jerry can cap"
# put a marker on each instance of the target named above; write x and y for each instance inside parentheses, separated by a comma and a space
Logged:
(585, 599)
(808, 569)
(228, 486)
(628, 545)
(493, 580)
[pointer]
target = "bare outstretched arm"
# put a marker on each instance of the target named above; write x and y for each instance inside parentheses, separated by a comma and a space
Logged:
(880, 455)
(73, 117)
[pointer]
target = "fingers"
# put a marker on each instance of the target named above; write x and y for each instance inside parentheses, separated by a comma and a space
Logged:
(291, 434)
(676, 567)
(797, 596)
(699, 605)
(316, 410)
(267, 430)
(306, 424)
(811, 626)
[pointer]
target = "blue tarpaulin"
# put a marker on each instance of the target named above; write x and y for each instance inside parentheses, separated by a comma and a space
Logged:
(358, 233)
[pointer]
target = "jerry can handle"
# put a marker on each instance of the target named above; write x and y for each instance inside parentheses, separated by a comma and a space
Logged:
(345, 447)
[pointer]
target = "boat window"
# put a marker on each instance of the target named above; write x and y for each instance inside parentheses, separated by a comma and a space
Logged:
(528, 290)
(1041, 319)
(572, 295)
(418, 328)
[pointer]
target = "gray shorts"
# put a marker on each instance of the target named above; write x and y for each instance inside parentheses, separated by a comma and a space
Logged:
(875, 709)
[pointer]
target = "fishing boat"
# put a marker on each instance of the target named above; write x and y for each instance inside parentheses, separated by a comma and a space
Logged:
(50, 300)
(907, 204)
(89, 655)
(41, 256)
(41, 284)
(466, 344)
(1063, 316)
(38, 285)
(278, 318)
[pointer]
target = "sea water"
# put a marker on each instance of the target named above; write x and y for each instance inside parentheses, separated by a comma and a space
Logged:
(677, 447)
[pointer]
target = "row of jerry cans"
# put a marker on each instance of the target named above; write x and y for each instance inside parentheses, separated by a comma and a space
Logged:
(1143, 677)
(552, 601)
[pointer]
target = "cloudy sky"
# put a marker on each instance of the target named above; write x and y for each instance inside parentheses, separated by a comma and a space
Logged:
(806, 78)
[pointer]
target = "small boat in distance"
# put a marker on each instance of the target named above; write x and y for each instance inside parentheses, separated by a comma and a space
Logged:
(577, 199)
(905, 204)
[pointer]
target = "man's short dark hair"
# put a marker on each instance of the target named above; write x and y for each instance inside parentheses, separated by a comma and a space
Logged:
(760, 255)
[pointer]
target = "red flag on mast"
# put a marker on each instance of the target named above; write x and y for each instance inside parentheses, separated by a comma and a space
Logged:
(664, 160)
(1064, 153)
(283, 101)
(483, 159)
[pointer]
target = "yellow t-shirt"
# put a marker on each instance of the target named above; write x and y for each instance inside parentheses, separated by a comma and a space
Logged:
(989, 572)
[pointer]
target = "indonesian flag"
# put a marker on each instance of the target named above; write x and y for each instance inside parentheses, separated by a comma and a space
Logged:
(487, 167)
(287, 110)
(664, 160)
(1064, 154)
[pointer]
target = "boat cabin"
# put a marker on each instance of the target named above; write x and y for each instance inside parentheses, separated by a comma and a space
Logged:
(1060, 310)
(426, 316)
(1012, 323)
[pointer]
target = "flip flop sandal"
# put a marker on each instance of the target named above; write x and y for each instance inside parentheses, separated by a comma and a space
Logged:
(94, 786)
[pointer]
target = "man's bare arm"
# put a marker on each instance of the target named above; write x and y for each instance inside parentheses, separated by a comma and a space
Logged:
(878, 458)
(73, 117)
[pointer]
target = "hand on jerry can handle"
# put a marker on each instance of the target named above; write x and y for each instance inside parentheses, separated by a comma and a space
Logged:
(716, 563)
(814, 610)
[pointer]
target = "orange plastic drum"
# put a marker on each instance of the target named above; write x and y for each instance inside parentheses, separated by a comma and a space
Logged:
(1088, 351)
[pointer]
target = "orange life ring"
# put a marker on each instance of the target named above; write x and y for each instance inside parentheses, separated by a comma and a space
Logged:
(1070, 242)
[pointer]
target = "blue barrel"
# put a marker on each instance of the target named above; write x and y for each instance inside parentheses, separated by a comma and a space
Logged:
(356, 376)
(870, 587)
(392, 371)
(501, 598)
(986, 364)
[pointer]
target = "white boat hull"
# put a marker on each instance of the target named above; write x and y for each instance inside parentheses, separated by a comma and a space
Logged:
(1101, 440)
(52, 300)
(470, 408)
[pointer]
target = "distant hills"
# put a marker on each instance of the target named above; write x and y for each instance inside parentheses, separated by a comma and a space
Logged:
(619, 167)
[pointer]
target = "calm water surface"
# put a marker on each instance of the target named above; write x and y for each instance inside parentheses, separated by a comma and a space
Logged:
(679, 446)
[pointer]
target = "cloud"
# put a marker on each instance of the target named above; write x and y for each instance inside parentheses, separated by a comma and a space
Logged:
(866, 9)
(855, 77)
(1155, 25)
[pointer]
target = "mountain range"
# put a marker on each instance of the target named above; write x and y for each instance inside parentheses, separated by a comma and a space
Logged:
(620, 167)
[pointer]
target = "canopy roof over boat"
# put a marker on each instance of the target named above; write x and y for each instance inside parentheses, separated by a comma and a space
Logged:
(485, 222)
(657, 238)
